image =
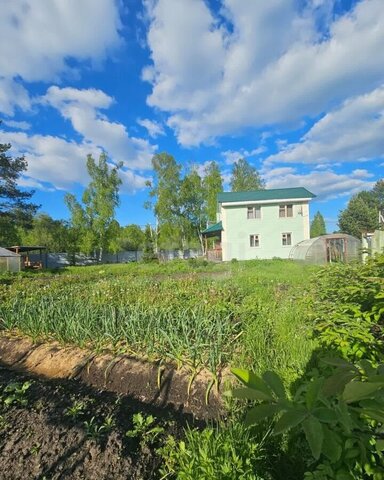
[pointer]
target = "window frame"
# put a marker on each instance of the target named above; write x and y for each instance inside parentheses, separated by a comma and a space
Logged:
(254, 240)
(255, 211)
(285, 237)
(286, 210)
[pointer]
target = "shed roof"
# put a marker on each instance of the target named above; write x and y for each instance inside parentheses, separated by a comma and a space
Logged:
(7, 253)
(260, 195)
(26, 248)
(217, 227)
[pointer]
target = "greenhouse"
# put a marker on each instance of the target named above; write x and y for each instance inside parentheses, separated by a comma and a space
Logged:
(9, 261)
(337, 247)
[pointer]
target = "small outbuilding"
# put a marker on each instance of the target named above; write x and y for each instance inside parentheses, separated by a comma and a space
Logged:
(33, 256)
(337, 247)
(9, 261)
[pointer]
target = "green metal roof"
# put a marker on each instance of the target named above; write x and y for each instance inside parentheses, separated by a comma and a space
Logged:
(217, 227)
(260, 195)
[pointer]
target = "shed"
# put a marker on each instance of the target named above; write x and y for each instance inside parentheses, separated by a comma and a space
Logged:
(9, 261)
(337, 247)
(26, 251)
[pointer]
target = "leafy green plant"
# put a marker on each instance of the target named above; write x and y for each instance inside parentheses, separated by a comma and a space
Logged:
(35, 449)
(145, 429)
(221, 453)
(76, 409)
(348, 309)
(341, 416)
(95, 430)
(15, 393)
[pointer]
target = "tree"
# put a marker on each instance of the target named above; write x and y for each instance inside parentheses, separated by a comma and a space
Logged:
(15, 208)
(193, 207)
(149, 245)
(318, 226)
(245, 177)
(362, 212)
(165, 195)
(48, 232)
(93, 221)
(132, 238)
(212, 185)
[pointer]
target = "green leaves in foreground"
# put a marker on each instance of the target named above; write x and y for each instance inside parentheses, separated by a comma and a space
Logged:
(341, 416)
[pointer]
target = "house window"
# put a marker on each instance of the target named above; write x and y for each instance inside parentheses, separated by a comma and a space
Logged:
(286, 210)
(286, 239)
(254, 240)
(253, 212)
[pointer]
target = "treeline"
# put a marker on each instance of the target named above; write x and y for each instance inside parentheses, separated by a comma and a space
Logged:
(183, 201)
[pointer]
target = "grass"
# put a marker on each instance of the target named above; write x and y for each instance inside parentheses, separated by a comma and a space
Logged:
(189, 312)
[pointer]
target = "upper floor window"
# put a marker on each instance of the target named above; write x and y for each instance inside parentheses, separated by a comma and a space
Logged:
(253, 212)
(254, 240)
(286, 239)
(286, 210)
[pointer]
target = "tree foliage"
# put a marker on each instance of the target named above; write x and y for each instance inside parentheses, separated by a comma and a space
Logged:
(15, 207)
(212, 185)
(245, 177)
(362, 212)
(318, 225)
(132, 238)
(193, 206)
(53, 234)
(183, 203)
(165, 198)
(92, 222)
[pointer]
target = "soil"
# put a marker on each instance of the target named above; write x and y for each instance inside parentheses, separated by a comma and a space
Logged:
(41, 440)
(160, 386)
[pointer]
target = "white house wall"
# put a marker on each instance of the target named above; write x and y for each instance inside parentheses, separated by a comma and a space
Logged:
(237, 229)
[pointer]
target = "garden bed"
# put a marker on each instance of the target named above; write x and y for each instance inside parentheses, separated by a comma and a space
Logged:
(159, 385)
(43, 435)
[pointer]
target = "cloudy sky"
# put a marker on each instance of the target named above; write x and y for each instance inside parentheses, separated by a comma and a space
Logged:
(294, 86)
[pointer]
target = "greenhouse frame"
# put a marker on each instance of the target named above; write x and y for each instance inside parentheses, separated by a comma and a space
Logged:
(334, 248)
(9, 261)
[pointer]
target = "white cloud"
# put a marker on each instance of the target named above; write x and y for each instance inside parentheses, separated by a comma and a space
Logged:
(18, 125)
(326, 184)
(59, 162)
(39, 40)
(353, 132)
(39, 37)
(13, 95)
(154, 128)
(82, 109)
(273, 65)
(232, 156)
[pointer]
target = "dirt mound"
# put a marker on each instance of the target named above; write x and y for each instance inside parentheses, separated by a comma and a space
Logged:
(145, 381)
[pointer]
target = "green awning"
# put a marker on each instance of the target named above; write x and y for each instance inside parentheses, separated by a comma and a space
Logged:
(216, 228)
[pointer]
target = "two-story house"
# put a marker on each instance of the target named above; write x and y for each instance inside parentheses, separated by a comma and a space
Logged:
(262, 223)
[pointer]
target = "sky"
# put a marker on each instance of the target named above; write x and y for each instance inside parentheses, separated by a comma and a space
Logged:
(294, 86)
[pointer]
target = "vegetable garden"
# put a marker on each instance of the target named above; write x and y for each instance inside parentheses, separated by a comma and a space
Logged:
(312, 338)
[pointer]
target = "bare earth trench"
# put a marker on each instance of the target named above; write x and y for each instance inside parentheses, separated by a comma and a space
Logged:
(40, 440)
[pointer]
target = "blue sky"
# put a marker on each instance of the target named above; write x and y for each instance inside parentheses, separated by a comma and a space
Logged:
(294, 86)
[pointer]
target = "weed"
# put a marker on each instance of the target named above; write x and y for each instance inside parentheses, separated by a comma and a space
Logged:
(15, 393)
(35, 449)
(144, 429)
(226, 453)
(96, 430)
(76, 409)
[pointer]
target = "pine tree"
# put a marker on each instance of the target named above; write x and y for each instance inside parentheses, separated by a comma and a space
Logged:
(318, 226)
(15, 208)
